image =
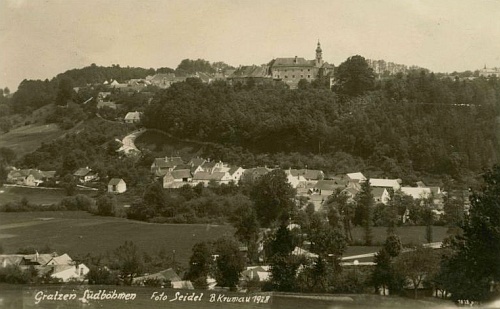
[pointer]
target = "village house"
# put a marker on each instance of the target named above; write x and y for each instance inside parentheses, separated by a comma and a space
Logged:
(161, 166)
(417, 192)
(61, 267)
(29, 177)
(251, 74)
(133, 117)
(167, 277)
(394, 184)
(381, 195)
(177, 178)
(256, 172)
(85, 174)
(164, 80)
(117, 185)
(235, 173)
(206, 177)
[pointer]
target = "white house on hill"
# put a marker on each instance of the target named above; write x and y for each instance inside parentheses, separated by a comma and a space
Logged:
(117, 185)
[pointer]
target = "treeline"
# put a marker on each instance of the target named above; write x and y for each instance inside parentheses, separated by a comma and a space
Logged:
(412, 122)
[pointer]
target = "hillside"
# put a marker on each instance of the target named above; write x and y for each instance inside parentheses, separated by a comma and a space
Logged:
(26, 139)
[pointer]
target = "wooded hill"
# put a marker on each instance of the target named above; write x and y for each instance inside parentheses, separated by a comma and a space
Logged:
(406, 124)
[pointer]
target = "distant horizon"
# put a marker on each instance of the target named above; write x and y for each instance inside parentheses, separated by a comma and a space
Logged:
(41, 39)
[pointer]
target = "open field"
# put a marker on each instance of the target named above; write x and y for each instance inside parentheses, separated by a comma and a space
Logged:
(36, 195)
(408, 234)
(28, 138)
(78, 233)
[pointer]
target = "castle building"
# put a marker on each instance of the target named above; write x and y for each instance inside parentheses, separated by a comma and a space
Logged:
(287, 70)
(487, 72)
(292, 70)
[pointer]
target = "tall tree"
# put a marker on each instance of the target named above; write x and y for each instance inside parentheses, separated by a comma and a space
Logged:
(475, 266)
(229, 262)
(364, 210)
(200, 264)
(127, 260)
(417, 265)
(283, 264)
(354, 76)
(65, 91)
(106, 205)
(273, 196)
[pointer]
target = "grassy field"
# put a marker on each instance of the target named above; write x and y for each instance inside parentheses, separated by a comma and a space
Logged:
(28, 138)
(408, 234)
(36, 195)
(79, 233)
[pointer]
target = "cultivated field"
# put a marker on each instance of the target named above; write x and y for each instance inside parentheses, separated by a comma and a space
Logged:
(36, 195)
(78, 233)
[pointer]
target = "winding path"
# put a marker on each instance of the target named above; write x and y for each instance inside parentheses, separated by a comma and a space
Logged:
(128, 143)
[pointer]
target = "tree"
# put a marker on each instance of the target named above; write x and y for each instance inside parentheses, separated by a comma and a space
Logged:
(273, 196)
(329, 243)
(200, 264)
(453, 212)
(364, 210)
(417, 265)
(127, 260)
(282, 263)
(474, 264)
(354, 77)
(65, 91)
(229, 262)
(247, 229)
(384, 275)
(340, 201)
(7, 155)
(106, 205)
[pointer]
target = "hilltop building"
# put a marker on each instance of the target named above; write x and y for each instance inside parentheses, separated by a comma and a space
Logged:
(287, 70)
(292, 70)
(489, 72)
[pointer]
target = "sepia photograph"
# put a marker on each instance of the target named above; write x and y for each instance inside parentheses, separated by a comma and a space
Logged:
(249, 154)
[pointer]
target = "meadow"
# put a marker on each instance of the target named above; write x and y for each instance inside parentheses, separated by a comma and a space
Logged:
(28, 138)
(40, 196)
(79, 233)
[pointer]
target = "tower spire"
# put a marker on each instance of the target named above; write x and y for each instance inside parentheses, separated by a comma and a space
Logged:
(319, 55)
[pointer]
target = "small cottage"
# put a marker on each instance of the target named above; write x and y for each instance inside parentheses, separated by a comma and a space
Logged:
(117, 185)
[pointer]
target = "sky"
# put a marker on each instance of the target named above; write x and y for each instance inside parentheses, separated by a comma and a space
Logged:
(42, 38)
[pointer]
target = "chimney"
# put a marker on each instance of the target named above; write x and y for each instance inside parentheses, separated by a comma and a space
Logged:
(295, 61)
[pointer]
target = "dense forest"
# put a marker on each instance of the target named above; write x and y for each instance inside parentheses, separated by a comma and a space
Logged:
(407, 123)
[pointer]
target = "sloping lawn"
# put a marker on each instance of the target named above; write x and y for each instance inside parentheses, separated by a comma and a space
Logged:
(79, 233)
(36, 195)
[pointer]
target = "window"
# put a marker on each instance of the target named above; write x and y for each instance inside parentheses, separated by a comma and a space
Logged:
(308, 76)
(286, 76)
(308, 70)
(293, 76)
(301, 76)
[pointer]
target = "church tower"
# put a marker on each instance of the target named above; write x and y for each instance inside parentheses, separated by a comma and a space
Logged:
(319, 55)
